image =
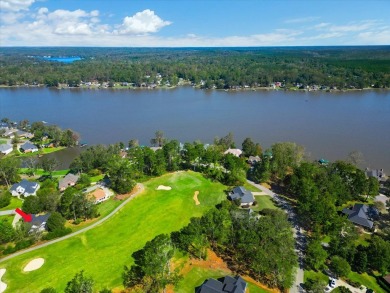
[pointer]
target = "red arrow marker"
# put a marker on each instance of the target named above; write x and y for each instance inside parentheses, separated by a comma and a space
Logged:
(26, 217)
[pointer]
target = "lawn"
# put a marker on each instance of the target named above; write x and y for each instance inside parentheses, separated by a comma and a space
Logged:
(366, 280)
(103, 251)
(3, 141)
(263, 202)
(315, 275)
(250, 187)
(15, 203)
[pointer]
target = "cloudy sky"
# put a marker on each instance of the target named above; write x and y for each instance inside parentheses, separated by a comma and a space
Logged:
(184, 23)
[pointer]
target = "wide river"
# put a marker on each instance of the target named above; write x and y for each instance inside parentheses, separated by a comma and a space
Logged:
(329, 125)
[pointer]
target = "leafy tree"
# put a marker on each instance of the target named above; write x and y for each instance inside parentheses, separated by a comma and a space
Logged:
(5, 199)
(285, 155)
(355, 158)
(105, 290)
(32, 205)
(69, 138)
(339, 266)
(55, 222)
(373, 186)
(133, 143)
(80, 284)
(225, 142)
(343, 289)
(315, 285)
(7, 233)
(121, 172)
(249, 148)
(360, 260)
(49, 164)
(159, 139)
(378, 254)
(152, 265)
(9, 168)
(315, 254)
(84, 181)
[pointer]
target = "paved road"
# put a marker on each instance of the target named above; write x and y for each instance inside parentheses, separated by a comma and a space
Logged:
(6, 213)
(298, 235)
(77, 232)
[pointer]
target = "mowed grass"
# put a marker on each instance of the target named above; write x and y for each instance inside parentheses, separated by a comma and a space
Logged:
(263, 202)
(15, 203)
(366, 280)
(103, 251)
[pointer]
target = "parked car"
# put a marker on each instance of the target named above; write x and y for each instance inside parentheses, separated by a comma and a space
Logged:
(332, 283)
(327, 289)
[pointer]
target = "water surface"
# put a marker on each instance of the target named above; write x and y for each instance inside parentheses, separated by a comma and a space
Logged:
(329, 125)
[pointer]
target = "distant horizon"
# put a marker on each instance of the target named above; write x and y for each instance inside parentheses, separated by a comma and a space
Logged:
(194, 23)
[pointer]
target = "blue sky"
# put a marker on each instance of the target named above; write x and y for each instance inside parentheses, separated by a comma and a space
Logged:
(174, 23)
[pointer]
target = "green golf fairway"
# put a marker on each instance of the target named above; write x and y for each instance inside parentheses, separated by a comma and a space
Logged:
(103, 251)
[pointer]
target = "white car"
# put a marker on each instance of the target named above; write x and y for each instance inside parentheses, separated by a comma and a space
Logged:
(332, 283)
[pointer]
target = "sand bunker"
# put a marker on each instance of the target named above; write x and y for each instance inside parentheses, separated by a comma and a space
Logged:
(163, 187)
(34, 265)
(196, 198)
(3, 285)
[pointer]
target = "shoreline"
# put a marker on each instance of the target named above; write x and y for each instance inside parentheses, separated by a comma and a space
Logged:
(251, 89)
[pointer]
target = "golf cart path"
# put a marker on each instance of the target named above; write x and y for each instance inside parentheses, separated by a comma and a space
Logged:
(140, 190)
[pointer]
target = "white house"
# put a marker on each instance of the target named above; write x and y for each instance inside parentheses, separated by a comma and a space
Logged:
(25, 188)
(99, 195)
(235, 152)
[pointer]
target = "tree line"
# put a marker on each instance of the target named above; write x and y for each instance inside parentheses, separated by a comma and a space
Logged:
(223, 68)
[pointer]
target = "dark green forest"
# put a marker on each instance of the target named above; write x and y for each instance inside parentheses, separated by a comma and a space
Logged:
(222, 68)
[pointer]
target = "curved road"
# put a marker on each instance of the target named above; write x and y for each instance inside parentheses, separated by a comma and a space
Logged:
(299, 237)
(142, 188)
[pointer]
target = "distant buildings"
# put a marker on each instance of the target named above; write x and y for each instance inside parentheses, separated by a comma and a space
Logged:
(362, 215)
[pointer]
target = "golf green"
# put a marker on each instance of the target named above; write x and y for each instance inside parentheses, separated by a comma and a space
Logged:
(103, 251)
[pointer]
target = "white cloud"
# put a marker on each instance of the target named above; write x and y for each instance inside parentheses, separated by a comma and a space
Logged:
(15, 5)
(143, 22)
(375, 38)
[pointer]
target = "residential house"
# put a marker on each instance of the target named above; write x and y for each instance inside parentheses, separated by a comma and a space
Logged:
(362, 215)
(376, 173)
(5, 148)
(25, 188)
(10, 132)
(245, 196)
(28, 147)
(38, 223)
(223, 285)
(24, 134)
(253, 160)
(235, 152)
(99, 195)
(386, 279)
(69, 180)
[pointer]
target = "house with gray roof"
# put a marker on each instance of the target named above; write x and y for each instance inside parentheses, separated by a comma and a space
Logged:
(245, 196)
(69, 180)
(25, 188)
(5, 148)
(28, 147)
(24, 134)
(376, 173)
(38, 223)
(223, 285)
(362, 215)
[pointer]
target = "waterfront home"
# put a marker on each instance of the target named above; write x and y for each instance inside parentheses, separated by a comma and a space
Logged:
(24, 134)
(235, 152)
(245, 196)
(69, 180)
(10, 132)
(28, 147)
(362, 215)
(376, 173)
(5, 148)
(25, 188)
(253, 160)
(223, 285)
